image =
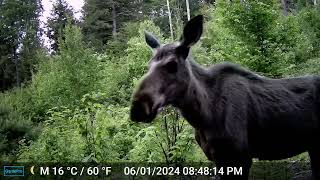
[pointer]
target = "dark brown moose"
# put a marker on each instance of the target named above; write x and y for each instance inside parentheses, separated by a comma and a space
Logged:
(237, 115)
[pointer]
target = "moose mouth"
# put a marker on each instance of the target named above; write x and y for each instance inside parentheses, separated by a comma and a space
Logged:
(144, 111)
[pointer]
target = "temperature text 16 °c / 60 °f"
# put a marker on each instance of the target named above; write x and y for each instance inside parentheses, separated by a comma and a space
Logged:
(75, 171)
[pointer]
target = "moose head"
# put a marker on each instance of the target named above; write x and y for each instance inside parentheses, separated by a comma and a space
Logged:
(169, 73)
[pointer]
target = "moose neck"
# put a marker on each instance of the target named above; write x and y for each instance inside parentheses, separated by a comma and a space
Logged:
(195, 104)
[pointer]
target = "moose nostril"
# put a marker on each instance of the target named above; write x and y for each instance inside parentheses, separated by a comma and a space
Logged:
(146, 107)
(141, 108)
(137, 111)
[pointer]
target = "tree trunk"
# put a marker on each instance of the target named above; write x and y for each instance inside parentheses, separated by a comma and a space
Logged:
(16, 64)
(178, 24)
(315, 2)
(284, 7)
(4, 78)
(188, 9)
(31, 71)
(170, 21)
(114, 20)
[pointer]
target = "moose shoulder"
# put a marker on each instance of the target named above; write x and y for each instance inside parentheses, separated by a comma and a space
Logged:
(237, 115)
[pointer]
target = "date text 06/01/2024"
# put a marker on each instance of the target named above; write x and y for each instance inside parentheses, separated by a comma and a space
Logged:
(185, 171)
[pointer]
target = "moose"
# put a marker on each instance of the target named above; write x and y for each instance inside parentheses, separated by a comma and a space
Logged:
(237, 115)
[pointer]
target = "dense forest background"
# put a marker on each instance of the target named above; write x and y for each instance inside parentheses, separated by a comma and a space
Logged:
(68, 100)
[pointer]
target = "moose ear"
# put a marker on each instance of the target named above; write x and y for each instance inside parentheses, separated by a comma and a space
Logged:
(192, 31)
(151, 40)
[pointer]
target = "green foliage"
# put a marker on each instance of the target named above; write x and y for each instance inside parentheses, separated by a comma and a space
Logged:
(309, 20)
(108, 134)
(243, 33)
(97, 133)
(254, 34)
(55, 143)
(61, 16)
(169, 140)
(97, 25)
(19, 40)
(65, 78)
(310, 67)
(15, 128)
(138, 53)
(122, 73)
(104, 21)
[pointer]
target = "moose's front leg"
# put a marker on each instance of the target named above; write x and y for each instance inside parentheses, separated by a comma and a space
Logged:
(225, 156)
(315, 162)
(201, 140)
(228, 157)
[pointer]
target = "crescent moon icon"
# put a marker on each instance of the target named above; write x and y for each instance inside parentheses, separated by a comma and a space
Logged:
(31, 170)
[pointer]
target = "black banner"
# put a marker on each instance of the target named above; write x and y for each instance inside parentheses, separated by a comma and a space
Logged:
(263, 170)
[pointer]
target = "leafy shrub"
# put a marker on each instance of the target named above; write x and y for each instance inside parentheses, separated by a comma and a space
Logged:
(309, 20)
(91, 131)
(58, 142)
(121, 74)
(310, 67)
(256, 35)
(169, 139)
(64, 78)
(14, 130)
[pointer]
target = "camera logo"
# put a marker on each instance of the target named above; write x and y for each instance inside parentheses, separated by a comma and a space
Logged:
(13, 170)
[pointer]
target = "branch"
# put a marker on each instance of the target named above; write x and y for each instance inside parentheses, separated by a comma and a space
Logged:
(164, 152)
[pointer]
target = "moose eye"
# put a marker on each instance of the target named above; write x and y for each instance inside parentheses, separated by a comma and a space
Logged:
(171, 67)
